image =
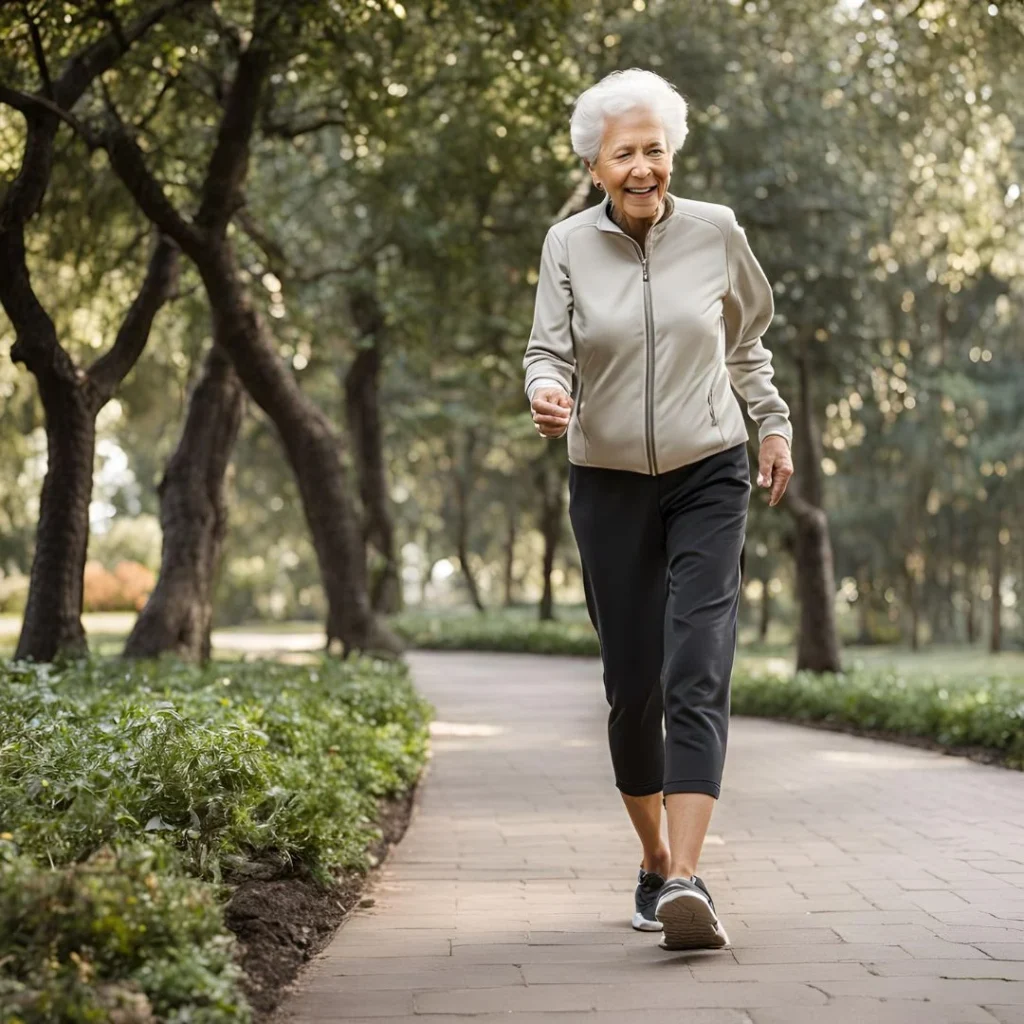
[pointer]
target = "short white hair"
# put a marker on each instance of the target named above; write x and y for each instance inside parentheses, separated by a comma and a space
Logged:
(615, 94)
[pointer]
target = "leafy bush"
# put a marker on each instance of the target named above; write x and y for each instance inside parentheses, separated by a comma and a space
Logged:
(497, 632)
(157, 780)
(121, 936)
(986, 713)
(123, 590)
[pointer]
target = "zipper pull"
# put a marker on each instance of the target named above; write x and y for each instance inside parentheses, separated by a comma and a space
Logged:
(644, 262)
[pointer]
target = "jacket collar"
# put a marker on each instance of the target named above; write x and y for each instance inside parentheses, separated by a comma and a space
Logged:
(605, 222)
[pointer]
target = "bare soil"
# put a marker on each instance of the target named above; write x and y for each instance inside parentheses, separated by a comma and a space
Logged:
(281, 923)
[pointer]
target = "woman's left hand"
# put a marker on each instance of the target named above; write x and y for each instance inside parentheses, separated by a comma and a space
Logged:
(775, 466)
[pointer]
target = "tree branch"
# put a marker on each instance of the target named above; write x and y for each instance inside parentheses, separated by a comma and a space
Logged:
(107, 372)
(25, 102)
(130, 166)
(221, 194)
(40, 55)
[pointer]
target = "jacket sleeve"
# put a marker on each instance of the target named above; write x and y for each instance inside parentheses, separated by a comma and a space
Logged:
(748, 309)
(550, 357)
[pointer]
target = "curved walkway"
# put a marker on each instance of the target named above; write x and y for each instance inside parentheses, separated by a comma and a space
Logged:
(859, 881)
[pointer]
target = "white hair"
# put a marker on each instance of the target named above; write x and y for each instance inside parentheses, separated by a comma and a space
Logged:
(615, 94)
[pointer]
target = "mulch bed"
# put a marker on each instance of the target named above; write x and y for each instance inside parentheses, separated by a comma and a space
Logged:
(281, 923)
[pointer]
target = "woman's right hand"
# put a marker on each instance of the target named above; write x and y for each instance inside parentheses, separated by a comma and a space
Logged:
(551, 410)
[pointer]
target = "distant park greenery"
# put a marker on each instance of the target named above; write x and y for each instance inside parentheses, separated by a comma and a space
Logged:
(133, 801)
(306, 402)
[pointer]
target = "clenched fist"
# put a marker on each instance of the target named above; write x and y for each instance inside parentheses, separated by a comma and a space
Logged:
(775, 466)
(551, 409)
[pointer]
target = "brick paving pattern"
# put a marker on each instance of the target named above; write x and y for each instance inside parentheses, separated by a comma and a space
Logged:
(859, 881)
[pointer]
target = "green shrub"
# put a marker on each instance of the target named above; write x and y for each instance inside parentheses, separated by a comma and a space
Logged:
(119, 936)
(986, 713)
(497, 632)
(127, 789)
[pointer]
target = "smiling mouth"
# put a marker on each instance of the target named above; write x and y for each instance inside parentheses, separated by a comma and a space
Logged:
(642, 191)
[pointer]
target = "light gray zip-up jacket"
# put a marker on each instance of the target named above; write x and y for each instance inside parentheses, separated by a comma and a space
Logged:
(648, 344)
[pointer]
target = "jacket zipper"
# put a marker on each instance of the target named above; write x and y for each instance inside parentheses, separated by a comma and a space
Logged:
(652, 460)
(711, 404)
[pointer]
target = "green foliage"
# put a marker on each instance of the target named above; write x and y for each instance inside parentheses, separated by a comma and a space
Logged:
(235, 759)
(973, 712)
(115, 937)
(496, 632)
(127, 790)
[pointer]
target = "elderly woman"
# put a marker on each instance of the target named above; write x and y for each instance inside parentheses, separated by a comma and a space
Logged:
(648, 307)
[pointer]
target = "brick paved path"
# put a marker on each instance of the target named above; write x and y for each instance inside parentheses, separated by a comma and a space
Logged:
(859, 881)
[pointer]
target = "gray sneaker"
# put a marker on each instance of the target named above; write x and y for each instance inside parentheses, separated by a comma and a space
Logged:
(649, 884)
(688, 914)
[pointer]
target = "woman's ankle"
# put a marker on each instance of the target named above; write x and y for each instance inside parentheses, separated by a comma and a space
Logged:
(658, 862)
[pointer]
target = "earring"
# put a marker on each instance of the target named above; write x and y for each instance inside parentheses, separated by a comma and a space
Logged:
(599, 186)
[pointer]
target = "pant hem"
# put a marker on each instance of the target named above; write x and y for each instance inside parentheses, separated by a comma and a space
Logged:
(630, 790)
(693, 786)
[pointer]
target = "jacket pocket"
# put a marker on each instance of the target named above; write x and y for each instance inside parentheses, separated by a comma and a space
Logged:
(579, 420)
(713, 414)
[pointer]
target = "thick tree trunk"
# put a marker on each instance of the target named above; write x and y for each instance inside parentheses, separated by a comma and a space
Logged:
(193, 514)
(362, 407)
(818, 641)
(312, 445)
(314, 453)
(53, 614)
(510, 555)
(71, 399)
(463, 490)
(551, 485)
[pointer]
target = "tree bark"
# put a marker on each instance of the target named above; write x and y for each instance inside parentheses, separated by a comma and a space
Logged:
(818, 641)
(510, 554)
(550, 477)
(71, 397)
(362, 407)
(970, 620)
(766, 605)
(71, 400)
(996, 635)
(463, 489)
(310, 442)
(193, 514)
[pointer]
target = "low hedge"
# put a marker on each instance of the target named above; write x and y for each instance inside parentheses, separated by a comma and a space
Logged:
(508, 633)
(975, 713)
(130, 792)
(981, 713)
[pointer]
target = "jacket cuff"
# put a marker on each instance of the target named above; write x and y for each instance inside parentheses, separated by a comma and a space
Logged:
(779, 425)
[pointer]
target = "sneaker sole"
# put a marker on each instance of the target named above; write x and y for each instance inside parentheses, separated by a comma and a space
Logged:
(642, 924)
(690, 923)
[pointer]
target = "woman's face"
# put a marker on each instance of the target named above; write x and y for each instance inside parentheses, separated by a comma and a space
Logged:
(634, 164)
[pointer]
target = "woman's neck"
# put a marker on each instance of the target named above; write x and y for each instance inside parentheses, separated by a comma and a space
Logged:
(636, 229)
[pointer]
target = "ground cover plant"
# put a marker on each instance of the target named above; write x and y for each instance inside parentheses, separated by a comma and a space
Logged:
(953, 699)
(134, 796)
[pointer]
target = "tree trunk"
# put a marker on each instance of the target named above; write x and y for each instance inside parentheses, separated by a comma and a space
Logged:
(865, 630)
(362, 406)
(970, 621)
(914, 607)
(510, 554)
(310, 442)
(193, 514)
(463, 490)
(313, 449)
(71, 399)
(551, 484)
(53, 614)
(766, 605)
(996, 636)
(818, 641)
